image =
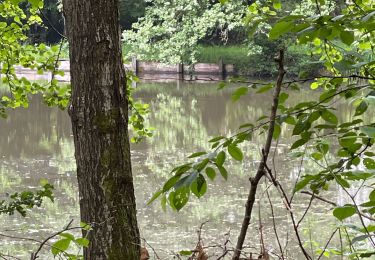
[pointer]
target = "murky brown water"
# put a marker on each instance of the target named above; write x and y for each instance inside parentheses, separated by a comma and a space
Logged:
(36, 143)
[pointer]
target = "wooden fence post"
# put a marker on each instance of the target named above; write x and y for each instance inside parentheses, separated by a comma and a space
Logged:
(135, 65)
(180, 71)
(221, 68)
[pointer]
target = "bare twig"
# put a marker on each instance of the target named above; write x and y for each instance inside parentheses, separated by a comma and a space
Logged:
(275, 227)
(153, 250)
(333, 203)
(34, 256)
(329, 241)
(307, 209)
(288, 207)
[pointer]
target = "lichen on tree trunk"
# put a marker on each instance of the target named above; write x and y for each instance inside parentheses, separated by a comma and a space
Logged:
(99, 115)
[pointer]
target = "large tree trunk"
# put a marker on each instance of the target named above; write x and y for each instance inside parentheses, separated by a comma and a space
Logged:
(99, 114)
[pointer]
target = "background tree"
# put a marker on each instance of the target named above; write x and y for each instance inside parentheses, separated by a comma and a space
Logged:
(99, 114)
(130, 11)
(171, 30)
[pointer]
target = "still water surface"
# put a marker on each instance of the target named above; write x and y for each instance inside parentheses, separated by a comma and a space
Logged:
(37, 143)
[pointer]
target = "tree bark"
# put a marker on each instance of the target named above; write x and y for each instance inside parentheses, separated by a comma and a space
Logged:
(99, 115)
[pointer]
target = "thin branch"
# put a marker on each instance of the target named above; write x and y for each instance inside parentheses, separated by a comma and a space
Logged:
(288, 207)
(329, 241)
(275, 227)
(52, 26)
(260, 172)
(153, 250)
(333, 203)
(35, 255)
(307, 209)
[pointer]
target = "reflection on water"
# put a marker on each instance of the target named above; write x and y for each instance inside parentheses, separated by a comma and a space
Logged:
(36, 143)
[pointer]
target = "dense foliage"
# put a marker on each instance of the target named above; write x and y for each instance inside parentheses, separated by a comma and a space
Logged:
(171, 30)
(16, 51)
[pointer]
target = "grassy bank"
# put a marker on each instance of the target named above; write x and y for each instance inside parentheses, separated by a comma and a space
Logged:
(256, 64)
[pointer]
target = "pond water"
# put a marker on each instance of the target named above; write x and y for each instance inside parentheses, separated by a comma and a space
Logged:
(37, 143)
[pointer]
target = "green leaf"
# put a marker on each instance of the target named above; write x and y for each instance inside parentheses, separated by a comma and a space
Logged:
(83, 242)
(276, 132)
(210, 172)
(202, 164)
(154, 197)
(85, 226)
(170, 183)
(329, 116)
(369, 131)
(283, 97)
(239, 93)
(280, 28)
(301, 126)
(317, 156)
(347, 37)
(215, 139)
(361, 108)
(196, 154)
(314, 85)
(67, 236)
(180, 198)
(199, 186)
(235, 152)
(359, 238)
(188, 252)
(327, 96)
(223, 172)
(342, 182)
(265, 88)
(60, 246)
(344, 212)
(369, 163)
(348, 139)
(276, 4)
(299, 143)
(220, 159)
(304, 181)
(248, 125)
(372, 196)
